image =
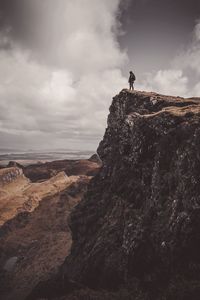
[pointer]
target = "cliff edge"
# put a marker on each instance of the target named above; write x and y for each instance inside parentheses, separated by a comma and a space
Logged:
(138, 226)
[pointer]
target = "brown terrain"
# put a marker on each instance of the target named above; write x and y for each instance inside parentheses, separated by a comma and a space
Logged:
(46, 170)
(34, 232)
(18, 194)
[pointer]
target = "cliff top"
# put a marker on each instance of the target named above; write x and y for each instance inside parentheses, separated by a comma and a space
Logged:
(149, 103)
(157, 96)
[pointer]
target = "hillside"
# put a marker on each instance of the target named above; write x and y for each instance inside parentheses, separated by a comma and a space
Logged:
(18, 194)
(34, 234)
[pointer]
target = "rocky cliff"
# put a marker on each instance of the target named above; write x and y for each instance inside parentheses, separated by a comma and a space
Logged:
(138, 227)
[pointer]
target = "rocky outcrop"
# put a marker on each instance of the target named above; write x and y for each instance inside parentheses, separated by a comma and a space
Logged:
(95, 158)
(43, 171)
(14, 164)
(139, 222)
(10, 175)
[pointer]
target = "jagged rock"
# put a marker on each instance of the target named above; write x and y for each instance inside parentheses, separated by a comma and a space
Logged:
(95, 158)
(14, 164)
(10, 175)
(141, 215)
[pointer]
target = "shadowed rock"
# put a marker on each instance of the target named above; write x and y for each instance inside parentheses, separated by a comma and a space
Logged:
(141, 216)
(136, 232)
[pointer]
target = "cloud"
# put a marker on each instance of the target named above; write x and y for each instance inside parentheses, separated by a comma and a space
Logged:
(77, 35)
(58, 77)
(182, 79)
(190, 57)
(166, 81)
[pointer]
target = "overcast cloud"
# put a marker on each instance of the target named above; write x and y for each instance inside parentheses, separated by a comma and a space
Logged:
(57, 77)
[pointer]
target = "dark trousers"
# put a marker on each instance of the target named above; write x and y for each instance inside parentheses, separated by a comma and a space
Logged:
(131, 85)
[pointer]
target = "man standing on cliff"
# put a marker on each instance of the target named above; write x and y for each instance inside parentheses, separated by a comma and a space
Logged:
(131, 80)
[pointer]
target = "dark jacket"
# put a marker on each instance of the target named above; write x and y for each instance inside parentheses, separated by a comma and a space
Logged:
(131, 78)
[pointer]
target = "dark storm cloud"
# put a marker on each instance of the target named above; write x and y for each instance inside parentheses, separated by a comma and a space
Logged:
(159, 11)
(16, 18)
(156, 29)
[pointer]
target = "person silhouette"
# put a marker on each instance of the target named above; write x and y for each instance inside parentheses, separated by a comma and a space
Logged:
(131, 80)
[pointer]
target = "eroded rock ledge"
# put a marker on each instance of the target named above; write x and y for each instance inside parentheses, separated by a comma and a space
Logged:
(139, 222)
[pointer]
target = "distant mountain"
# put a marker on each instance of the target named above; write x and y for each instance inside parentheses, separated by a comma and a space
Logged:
(24, 157)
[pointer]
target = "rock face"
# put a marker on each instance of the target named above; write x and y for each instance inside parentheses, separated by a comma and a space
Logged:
(140, 219)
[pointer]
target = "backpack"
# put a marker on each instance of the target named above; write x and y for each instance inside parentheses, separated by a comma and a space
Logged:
(133, 77)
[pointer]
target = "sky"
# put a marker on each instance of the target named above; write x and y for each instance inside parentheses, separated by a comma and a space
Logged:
(62, 61)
